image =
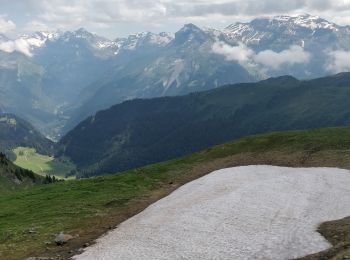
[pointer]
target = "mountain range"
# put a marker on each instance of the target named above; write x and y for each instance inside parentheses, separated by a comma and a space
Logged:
(56, 79)
(144, 131)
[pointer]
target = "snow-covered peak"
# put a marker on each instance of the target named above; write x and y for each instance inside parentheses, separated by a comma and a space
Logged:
(38, 39)
(137, 40)
(288, 18)
(92, 39)
(80, 33)
(307, 21)
(162, 38)
(238, 28)
(268, 28)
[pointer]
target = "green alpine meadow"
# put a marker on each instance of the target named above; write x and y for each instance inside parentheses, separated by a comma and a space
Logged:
(174, 130)
(32, 216)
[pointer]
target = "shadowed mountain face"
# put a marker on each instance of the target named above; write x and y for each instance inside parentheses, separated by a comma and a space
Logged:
(15, 132)
(63, 77)
(141, 132)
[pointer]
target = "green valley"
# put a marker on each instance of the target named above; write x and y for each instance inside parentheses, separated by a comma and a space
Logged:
(87, 208)
(28, 158)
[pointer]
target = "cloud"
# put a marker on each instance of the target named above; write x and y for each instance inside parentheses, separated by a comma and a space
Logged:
(294, 55)
(115, 17)
(268, 58)
(19, 45)
(6, 25)
(114, 14)
(240, 53)
(339, 61)
(64, 13)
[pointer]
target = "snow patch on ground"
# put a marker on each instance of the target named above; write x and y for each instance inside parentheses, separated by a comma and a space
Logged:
(252, 212)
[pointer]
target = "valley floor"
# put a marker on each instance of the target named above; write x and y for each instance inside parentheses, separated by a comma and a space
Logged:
(28, 158)
(251, 212)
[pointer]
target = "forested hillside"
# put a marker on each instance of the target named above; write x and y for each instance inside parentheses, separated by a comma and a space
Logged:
(15, 132)
(141, 132)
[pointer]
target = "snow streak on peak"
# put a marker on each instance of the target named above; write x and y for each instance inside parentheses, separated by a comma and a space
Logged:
(262, 28)
(38, 39)
(307, 21)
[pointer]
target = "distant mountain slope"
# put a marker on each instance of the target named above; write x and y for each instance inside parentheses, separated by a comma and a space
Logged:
(21, 91)
(141, 132)
(60, 78)
(186, 64)
(15, 132)
(300, 46)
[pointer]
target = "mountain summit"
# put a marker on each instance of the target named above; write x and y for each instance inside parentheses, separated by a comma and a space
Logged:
(301, 27)
(190, 33)
(71, 75)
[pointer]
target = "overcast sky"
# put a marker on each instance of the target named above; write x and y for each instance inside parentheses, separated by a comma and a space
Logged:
(116, 18)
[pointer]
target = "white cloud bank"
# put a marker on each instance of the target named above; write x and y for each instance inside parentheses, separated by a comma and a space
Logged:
(113, 17)
(294, 55)
(268, 58)
(6, 25)
(240, 53)
(19, 45)
(339, 61)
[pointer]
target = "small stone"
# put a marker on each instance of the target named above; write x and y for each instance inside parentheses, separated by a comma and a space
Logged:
(62, 239)
(86, 245)
(32, 231)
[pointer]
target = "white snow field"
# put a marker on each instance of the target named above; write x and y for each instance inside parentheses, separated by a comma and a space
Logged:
(252, 212)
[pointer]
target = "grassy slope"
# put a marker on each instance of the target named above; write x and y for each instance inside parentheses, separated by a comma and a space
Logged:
(13, 177)
(89, 207)
(6, 184)
(28, 158)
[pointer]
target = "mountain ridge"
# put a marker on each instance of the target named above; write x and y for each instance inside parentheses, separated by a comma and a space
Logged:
(71, 75)
(144, 131)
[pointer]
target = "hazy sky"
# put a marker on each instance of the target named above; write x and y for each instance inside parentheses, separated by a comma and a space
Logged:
(115, 18)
